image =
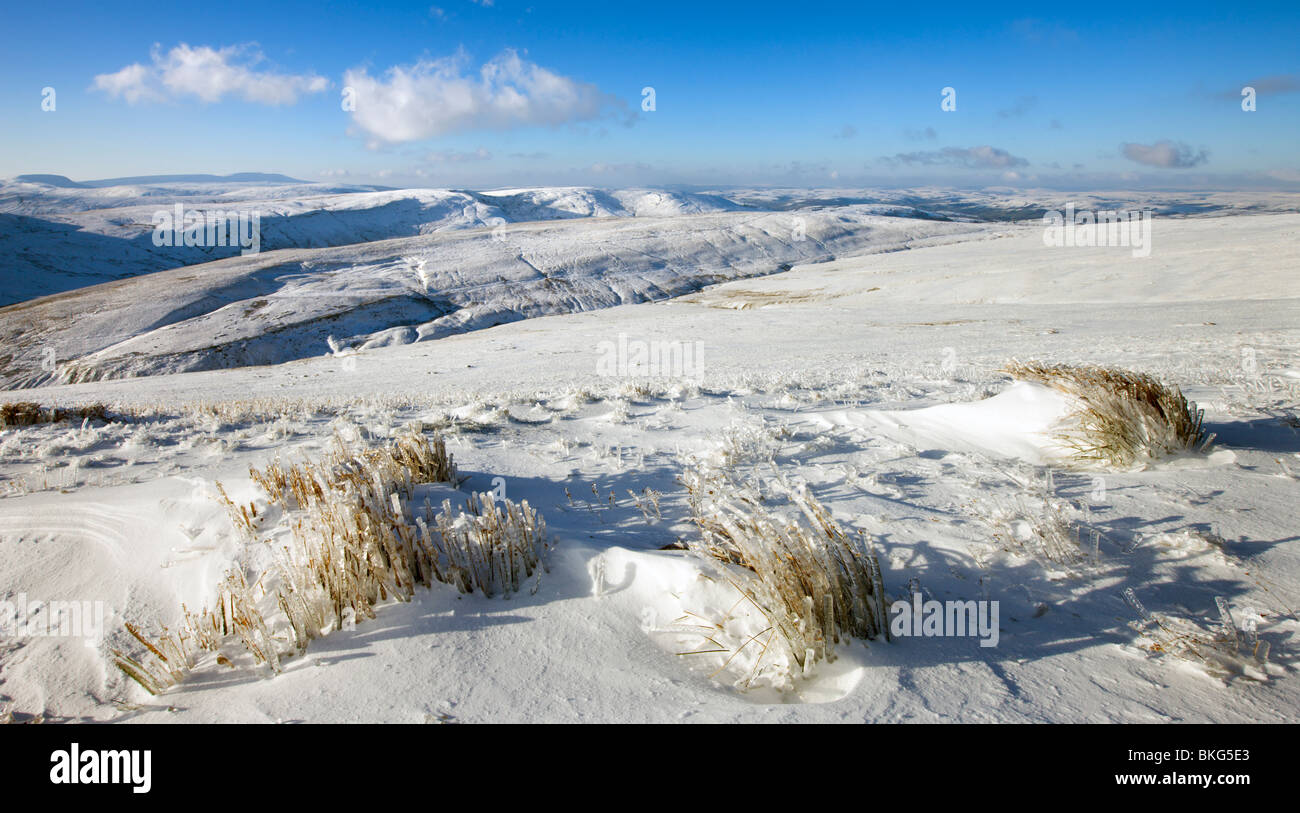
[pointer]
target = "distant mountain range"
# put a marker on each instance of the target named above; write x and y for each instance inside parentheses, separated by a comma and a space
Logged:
(239, 177)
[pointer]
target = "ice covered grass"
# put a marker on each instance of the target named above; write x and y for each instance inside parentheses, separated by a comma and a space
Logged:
(816, 586)
(1037, 523)
(353, 543)
(29, 413)
(1223, 651)
(1124, 418)
(1050, 530)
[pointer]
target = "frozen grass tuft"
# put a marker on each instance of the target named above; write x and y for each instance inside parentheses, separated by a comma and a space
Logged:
(1224, 651)
(488, 547)
(1055, 532)
(749, 443)
(816, 586)
(1124, 418)
(353, 545)
(172, 654)
(28, 413)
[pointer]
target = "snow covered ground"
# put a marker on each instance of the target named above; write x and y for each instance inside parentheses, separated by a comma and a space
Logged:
(868, 373)
(287, 304)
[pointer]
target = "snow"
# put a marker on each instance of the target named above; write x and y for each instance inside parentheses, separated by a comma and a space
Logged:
(866, 372)
(286, 304)
(59, 238)
(1017, 423)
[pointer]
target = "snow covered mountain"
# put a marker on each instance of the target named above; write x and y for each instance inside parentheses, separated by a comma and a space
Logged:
(349, 267)
(365, 269)
(58, 236)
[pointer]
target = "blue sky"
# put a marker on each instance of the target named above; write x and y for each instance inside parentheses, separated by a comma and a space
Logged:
(459, 93)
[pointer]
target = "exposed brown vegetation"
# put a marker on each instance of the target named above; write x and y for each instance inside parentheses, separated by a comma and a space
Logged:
(353, 546)
(815, 584)
(1124, 417)
(28, 413)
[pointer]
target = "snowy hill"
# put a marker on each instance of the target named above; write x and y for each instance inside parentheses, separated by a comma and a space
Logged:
(237, 177)
(59, 236)
(872, 381)
(287, 304)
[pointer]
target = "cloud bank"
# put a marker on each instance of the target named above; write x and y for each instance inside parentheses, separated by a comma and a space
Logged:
(1166, 154)
(437, 97)
(210, 74)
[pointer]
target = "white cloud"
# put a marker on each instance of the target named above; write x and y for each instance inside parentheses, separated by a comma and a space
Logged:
(209, 74)
(131, 83)
(435, 97)
(1165, 154)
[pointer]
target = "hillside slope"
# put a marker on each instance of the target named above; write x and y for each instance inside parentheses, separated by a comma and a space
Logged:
(288, 304)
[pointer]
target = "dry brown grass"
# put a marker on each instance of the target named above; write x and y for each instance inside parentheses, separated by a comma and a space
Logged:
(171, 654)
(28, 413)
(353, 545)
(1124, 417)
(488, 547)
(815, 584)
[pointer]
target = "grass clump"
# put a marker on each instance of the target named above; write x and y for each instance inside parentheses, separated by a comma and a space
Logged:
(354, 542)
(1046, 532)
(1124, 417)
(1224, 651)
(487, 547)
(171, 654)
(29, 413)
(816, 586)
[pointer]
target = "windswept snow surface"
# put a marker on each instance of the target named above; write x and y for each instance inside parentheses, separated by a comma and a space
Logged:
(871, 379)
(1017, 423)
